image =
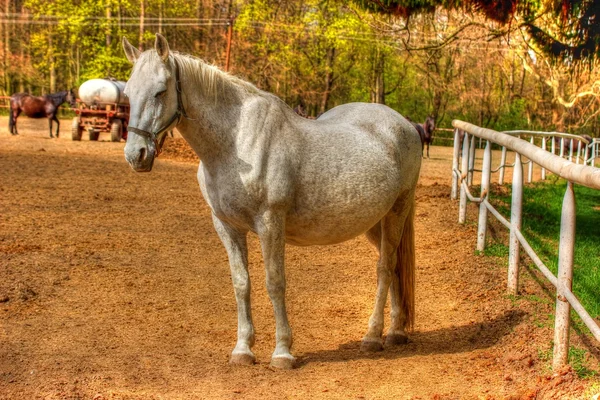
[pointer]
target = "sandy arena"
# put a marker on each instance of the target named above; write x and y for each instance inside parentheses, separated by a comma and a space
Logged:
(114, 285)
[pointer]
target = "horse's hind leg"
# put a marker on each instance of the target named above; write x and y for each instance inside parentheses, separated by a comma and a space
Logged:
(403, 283)
(237, 251)
(50, 126)
(391, 228)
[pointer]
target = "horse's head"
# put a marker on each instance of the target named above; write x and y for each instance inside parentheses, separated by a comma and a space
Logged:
(71, 98)
(429, 124)
(154, 102)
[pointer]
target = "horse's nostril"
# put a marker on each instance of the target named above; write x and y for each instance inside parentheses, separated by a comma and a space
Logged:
(142, 156)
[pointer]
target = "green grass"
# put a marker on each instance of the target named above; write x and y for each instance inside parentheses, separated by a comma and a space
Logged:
(542, 205)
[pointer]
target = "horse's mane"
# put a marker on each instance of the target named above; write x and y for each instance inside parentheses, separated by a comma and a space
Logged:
(58, 95)
(208, 78)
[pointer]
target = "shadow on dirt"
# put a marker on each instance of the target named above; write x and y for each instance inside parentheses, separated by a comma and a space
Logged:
(459, 339)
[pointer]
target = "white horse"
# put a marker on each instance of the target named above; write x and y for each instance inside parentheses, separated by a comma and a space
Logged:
(286, 178)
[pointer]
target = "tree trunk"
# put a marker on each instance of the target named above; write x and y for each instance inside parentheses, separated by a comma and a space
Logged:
(160, 16)
(108, 24)
(328, 79)
(7, 82)
(378, 88)
(52, 64)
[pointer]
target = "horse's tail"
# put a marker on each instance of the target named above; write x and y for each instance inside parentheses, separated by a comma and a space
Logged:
(405, 267)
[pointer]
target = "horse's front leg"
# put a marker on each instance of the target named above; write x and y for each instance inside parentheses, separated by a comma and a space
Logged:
(271, 230)
(55, 118)
(237, 251)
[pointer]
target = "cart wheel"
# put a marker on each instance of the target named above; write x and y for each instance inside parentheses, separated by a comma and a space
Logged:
(76, 129)
(116, 130)
(94, 134)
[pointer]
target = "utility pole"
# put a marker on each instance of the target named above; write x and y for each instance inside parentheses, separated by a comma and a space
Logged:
(229, 39)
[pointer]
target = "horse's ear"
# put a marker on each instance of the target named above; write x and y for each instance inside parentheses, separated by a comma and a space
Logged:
(131, 52)
(162, 47)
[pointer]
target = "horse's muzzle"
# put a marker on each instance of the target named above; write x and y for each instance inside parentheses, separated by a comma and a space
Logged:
(140, 158)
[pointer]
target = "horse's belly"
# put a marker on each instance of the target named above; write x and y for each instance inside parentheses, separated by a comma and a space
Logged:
(327, 221)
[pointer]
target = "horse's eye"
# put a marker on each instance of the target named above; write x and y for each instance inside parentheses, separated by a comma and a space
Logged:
(160, 94)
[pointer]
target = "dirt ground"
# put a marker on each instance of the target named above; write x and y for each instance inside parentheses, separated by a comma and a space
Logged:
(114, 285)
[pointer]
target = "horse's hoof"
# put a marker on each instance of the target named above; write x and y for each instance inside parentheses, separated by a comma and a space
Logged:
(283, 362)
(371, 345)
(242, 359)
(396, 339)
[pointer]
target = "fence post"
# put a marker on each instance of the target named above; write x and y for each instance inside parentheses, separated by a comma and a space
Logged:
(485, 187)
(543, 148)
(578, 151)
(530, 171)
(464, 172)
(571, 150)
(502, 166)
(455, 156)
(471, 161)
(562, 147)
(564, 278)
(515, 224)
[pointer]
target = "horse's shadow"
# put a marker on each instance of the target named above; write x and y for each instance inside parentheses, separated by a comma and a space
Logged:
(458, 339)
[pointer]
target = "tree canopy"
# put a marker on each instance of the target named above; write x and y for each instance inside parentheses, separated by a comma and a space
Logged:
(575, 34)
(478, 61)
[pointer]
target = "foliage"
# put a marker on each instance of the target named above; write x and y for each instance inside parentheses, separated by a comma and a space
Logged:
(435, 57)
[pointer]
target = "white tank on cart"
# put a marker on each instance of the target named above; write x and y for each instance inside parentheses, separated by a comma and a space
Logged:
(102, 91)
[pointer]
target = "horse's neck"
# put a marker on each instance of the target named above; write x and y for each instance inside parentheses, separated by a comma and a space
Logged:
(212, 121)
(58, 98)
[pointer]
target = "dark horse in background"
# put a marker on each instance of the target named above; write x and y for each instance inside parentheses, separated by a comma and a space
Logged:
(567, 144)
(425, 132)
(38, 107)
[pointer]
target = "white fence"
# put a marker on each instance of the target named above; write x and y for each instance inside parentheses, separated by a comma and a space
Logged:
(583, 173)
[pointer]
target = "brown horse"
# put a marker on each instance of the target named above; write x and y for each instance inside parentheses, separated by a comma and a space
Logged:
(38, 107)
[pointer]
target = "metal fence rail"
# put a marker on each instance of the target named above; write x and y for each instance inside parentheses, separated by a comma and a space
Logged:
(574, 173)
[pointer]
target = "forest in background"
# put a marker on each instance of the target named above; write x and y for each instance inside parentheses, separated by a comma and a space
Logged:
(319, 53)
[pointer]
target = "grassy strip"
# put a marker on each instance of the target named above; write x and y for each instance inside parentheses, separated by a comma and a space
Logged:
(542, 205)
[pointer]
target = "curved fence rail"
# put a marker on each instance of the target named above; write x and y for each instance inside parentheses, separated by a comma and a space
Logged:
(462, 178)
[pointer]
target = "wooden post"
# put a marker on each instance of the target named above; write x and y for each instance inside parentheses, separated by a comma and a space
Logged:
(502, 166)
(142, 16)
(455, 156)
(543, 148)
(562, 147)
(564, 279)
(464, 171)
(229, 38)
(571, 150)
(515, 224)
(485, 187)
(530, 170)
(471, 161)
